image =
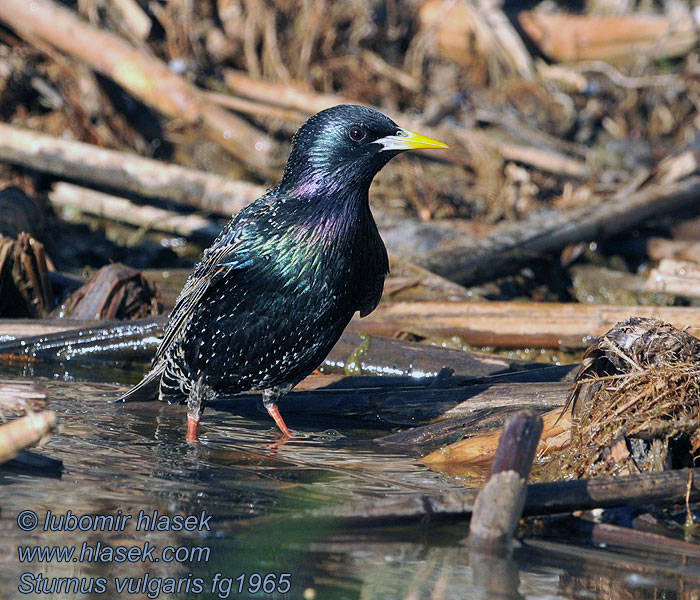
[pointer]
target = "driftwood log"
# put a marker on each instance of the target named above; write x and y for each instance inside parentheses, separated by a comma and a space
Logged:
(139, 338)
(407, 403)
(542, 498)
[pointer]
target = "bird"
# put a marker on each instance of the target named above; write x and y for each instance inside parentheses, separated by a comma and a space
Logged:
(273, 293)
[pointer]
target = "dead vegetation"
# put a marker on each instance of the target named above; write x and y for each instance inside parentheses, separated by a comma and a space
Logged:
(635, 402)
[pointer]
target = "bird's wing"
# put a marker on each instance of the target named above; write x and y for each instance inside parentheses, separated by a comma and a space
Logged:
(374, 295)
(378, 269)
(216, 261)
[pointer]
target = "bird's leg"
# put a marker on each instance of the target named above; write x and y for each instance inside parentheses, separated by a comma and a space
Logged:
(197, 399)
(192, 422)
(270, 398)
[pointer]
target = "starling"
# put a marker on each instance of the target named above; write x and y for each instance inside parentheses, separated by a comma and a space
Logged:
(272, 295)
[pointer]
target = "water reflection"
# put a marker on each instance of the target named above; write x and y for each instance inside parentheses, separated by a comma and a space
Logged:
(133, 458)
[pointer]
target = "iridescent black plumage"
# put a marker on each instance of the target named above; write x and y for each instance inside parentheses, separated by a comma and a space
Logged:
(274, 292)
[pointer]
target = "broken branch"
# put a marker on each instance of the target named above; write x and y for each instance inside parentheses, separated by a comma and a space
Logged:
(120, 209)
(124, 171)
(508, 248)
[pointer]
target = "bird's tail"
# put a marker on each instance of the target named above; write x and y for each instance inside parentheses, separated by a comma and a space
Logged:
(147, 388)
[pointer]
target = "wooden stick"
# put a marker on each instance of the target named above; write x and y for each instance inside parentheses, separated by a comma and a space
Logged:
(676, 277)
(481, 448)
(120, 209)
(124, 171)
(133, 19)
(544, 159)
(257, 109)
(514, 324)
(383, 69)
(500, 502)
(24, 432)
(141, 74)
(507, 249)
(542, 498)
(287, 96)
(568, 37)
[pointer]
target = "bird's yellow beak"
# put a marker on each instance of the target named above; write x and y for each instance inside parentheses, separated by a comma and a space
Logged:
(408, 140)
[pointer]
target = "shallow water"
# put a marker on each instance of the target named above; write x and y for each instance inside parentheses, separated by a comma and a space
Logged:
(133, 458)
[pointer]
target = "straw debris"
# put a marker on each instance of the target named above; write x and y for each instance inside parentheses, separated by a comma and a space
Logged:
(635, 403)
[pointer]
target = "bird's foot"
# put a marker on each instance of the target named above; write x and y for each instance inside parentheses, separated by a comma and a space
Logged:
(200, 394)
(279, 421)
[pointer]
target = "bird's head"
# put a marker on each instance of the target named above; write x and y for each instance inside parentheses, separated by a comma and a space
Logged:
(346, 146)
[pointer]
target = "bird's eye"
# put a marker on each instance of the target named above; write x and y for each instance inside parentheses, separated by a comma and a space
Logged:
(356, 133)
